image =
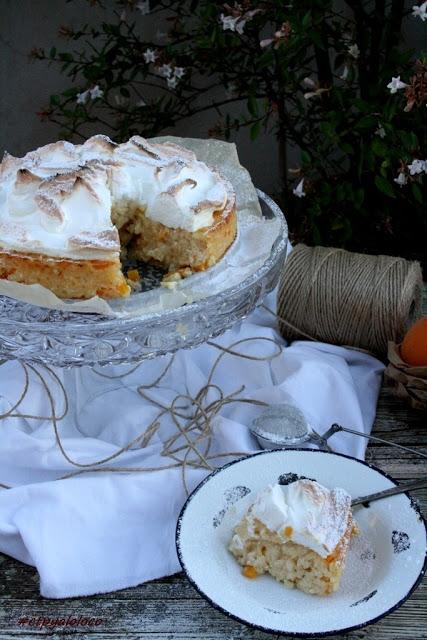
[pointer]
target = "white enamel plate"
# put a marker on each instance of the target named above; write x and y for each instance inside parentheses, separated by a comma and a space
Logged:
(385, 562)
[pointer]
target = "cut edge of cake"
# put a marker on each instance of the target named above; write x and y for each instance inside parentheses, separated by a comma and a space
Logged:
(91, 263)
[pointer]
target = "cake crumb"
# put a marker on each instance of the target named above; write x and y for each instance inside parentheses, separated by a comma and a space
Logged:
(134, 279)
(171, 279)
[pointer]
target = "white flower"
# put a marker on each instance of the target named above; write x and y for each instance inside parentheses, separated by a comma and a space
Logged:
(165, 70)
(420, 11)
(266, 42)
(149, 55)
(401, 179)
(380, 131)
(396, 84)
(344, 74)
(240, 25)
(308, 82)
(314, 94)
(96, 92)
(299, 189)
(93, 93)
(172, 82)
(179, 72)
(144, 7)
(82, 98)
(354, 51)
(417, 166)
(228, 22)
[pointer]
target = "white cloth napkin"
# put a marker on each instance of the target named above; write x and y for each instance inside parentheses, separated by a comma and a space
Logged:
(100, 532)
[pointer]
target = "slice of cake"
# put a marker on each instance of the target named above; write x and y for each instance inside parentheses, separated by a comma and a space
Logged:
(298, 533)
(67, 211)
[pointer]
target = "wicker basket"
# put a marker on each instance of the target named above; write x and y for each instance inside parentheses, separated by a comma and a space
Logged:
(409, 383)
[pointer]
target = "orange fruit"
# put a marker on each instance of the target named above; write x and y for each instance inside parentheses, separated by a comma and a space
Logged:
(413, 349)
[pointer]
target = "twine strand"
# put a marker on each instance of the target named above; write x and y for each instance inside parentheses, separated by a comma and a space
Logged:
(192, 416)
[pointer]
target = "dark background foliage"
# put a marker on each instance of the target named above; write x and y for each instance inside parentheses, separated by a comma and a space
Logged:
(313, 73)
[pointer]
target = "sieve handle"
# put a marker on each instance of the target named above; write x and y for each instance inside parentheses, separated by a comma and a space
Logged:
(335, 428)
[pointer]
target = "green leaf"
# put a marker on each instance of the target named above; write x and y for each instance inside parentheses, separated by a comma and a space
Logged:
(409, 140)
(337, 224)
(317, 236)
(255, 130)
(327, 129)
(253, 106)
(367, 122)
(305, 157)
(416, 192)
(384, 186)
(362, 105)
(55, 100)
(379, 148)
(306, 20)
(52, 52)
(266, 59)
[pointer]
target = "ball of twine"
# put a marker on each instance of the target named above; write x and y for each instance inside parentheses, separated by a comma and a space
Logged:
(345, 298)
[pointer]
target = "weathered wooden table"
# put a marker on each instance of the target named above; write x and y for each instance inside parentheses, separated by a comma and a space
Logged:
(170, 609)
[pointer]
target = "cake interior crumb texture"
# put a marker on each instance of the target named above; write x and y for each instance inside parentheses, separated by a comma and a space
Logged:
(259, 550)
(142, 238)
(292, 564)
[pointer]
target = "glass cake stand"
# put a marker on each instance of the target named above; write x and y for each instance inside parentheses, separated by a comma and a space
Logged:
(40, 335)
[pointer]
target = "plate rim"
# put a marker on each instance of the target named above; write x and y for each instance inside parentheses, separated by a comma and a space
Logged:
(296, 634)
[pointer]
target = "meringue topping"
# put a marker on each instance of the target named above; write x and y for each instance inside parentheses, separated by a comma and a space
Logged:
(304, 512)
(60, 199)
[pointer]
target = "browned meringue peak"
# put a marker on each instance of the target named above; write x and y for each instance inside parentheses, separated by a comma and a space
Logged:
(160, 153)
(26, 180)
(49, 208)
(101, 240)
(169, 170)
(176, 188)
(99, 142)
(56, 156)
(98, 150)
(172, 150)
(207, 204)
(62, 185)
(143, 147)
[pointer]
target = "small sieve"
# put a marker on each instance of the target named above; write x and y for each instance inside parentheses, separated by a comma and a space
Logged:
(281, 425)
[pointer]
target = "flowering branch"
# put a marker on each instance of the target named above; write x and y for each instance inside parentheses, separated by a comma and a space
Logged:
(334, 84)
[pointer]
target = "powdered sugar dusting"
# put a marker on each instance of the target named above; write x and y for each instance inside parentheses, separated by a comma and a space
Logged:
(65, 190)
(359, 576)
